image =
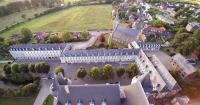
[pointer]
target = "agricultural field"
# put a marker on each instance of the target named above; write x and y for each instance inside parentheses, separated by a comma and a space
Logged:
(66, 1)
(5, 2)
(75, 18)
(9, 20)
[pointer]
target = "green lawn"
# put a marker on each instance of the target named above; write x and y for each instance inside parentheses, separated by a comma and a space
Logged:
(16, 17)
(75, 18)
(16, 101)
(5, 2)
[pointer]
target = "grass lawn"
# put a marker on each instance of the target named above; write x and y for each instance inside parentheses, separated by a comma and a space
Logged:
(16, 17)
(5, 2)
(75, 18)
(48, 100)
(16, 101)
(66, 1)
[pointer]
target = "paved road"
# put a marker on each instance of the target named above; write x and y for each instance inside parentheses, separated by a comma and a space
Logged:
(90, 42)
(45, 84)
(44, 91)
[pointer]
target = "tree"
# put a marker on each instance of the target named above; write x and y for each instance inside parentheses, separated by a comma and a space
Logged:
(29, 89)
(84, 34)
(7, 69)
(133, 9)
(67, 36)
(45, 67)
(196, 34)
(189, 45)
(15, 68)
(198, 73)
(102, 38)
(158, 23)
(23, 16)
(94, 73)
(58, 70)
(26, 35)
(23, 67)
(55, 39)
(37, 68)
(120, 71)
(179, 38)
(20, 78)
(107, 71)
(132, 70)
(81, 72)
(31, 67)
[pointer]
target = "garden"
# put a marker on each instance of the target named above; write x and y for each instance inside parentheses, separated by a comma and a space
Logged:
(22, 80)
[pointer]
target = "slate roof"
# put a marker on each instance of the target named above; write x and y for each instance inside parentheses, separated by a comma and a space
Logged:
(135, 94)
(31, 47)
(98, 52)
(162, 70)
(85, 93)
(184, 64)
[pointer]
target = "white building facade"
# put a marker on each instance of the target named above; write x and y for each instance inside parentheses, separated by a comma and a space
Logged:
(98, 55)
(37, 51)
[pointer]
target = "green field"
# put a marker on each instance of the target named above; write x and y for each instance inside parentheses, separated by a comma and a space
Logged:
(75, 18)
(4, 2)
(16, 101)
(9, 20)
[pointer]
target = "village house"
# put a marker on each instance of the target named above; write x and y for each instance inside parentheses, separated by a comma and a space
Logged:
(149, 30)
(192, 26)
(166, 19)
(184, 68)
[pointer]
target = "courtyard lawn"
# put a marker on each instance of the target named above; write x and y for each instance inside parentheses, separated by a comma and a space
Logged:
(16, 101)
(75, 18)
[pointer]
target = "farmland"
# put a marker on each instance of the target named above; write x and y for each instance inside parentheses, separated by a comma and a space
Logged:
(75, 18)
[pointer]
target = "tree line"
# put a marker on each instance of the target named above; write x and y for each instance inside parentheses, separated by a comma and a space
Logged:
(18, 6)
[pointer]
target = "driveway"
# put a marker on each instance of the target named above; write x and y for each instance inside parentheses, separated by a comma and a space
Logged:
(44, 91)
(90, 42)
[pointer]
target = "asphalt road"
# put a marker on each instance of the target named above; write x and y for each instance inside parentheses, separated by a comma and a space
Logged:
(44, 91)
(90, 42)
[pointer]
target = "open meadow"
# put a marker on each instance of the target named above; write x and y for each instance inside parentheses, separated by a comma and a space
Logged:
(75, 18)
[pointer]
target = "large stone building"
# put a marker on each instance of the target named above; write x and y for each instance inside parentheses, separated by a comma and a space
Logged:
(98, 55)
(98, 94)
(38, 51)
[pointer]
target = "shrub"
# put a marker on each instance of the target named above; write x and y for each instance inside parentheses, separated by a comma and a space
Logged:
(81, 72)
(29, 89)
(20, 78)
(120, 71)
